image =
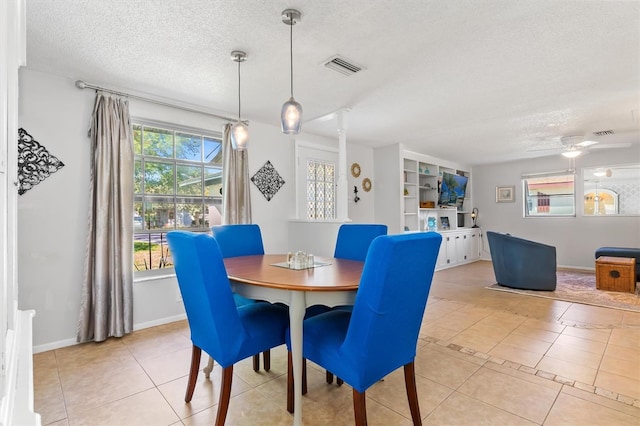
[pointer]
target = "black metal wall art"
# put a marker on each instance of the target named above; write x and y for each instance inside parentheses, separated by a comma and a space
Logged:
(268, 180)
(35, 164)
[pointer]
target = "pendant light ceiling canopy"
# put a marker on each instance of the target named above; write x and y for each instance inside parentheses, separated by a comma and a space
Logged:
(291, 114)
(239, 131)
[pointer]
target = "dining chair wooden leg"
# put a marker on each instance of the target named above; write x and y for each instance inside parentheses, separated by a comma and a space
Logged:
(196, 352)
(225, 395)
(304, 376)
(290, 396)
(412, 392)
(256, 362)
(266, 358)
(329, 377)
(360, 408)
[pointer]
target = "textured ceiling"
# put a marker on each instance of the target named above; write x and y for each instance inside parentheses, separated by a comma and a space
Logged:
(472, 80)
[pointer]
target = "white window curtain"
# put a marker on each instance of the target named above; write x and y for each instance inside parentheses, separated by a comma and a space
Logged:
(107, 291)
(236, 198)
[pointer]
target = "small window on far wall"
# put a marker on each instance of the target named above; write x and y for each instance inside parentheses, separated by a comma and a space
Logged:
(177, 185)
(551, 194)
(612, 190)
(316, 177)
(321, 190)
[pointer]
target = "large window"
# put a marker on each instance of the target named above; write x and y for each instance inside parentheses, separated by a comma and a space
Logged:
(551, 194)
(177, 185)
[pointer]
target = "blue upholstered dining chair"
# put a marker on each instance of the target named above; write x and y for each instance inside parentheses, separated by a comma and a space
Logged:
(238, 240)
(354, 239)
(241, 240)
(380, 334)
(227, 332)
(353, 243)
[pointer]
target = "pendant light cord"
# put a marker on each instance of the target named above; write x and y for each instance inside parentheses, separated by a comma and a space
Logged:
(291, 49)
(239, 90)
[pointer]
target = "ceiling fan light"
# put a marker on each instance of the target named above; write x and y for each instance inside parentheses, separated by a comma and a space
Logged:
(572, 153)
(239, 136)
(291, 117)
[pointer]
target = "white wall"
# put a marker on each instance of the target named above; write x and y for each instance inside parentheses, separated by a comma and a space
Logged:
(52, 217)
(362, 211)
(319, 238)
(575, 238)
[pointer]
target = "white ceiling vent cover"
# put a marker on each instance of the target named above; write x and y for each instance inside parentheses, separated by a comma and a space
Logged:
(342, 65)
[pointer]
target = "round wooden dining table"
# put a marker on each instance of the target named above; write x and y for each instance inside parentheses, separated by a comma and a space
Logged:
(330, 282)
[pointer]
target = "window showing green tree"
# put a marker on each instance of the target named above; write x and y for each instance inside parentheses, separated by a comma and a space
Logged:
(177, 185)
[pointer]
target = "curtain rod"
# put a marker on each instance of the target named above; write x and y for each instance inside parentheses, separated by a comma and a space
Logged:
(82, 85)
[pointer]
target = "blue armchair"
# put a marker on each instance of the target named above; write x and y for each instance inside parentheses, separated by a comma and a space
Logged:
(227, 332)
(381, 332)
(520, 263)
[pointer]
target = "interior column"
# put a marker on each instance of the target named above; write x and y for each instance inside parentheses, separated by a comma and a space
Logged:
(342, 213)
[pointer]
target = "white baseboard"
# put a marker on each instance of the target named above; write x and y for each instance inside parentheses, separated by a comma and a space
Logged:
(159, 321)
(54, 345)
(70, 342)
(578, 268)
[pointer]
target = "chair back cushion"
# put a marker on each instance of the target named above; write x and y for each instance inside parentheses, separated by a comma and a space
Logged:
(354, 240)
(387, 314)
(238, 240)
(211, 311)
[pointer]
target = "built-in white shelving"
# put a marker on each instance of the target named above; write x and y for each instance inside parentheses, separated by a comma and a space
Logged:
(414, 181)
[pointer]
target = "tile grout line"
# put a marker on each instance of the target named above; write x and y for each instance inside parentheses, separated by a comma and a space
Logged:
(540, 373)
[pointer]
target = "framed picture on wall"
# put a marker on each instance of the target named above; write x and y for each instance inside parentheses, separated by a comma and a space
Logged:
(444, 221)
(505, 194)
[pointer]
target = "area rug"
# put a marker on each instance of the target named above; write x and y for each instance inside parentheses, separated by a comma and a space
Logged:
(580, 287)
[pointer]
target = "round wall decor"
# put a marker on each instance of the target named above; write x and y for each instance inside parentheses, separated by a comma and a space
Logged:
(355, 169)
(366, 184)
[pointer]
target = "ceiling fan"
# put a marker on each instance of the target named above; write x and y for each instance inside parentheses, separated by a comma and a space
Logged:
(573, 146)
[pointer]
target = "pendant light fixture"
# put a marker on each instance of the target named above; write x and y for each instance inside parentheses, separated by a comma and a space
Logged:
(239, 131)
(291, 114)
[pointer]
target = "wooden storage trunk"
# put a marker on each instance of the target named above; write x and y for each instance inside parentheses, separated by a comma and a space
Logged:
(616, 274)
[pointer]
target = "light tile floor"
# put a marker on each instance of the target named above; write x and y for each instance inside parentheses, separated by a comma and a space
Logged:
(484, 358)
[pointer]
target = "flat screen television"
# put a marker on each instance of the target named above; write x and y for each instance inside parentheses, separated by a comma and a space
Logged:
(452, 190)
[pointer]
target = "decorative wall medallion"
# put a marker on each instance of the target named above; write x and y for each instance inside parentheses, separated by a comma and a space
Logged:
(355, 170)
(35, 164)
(267, 180)
(366, 184)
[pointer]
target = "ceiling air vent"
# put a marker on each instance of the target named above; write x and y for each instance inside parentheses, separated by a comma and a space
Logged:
(603, 132)
(342, 65)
